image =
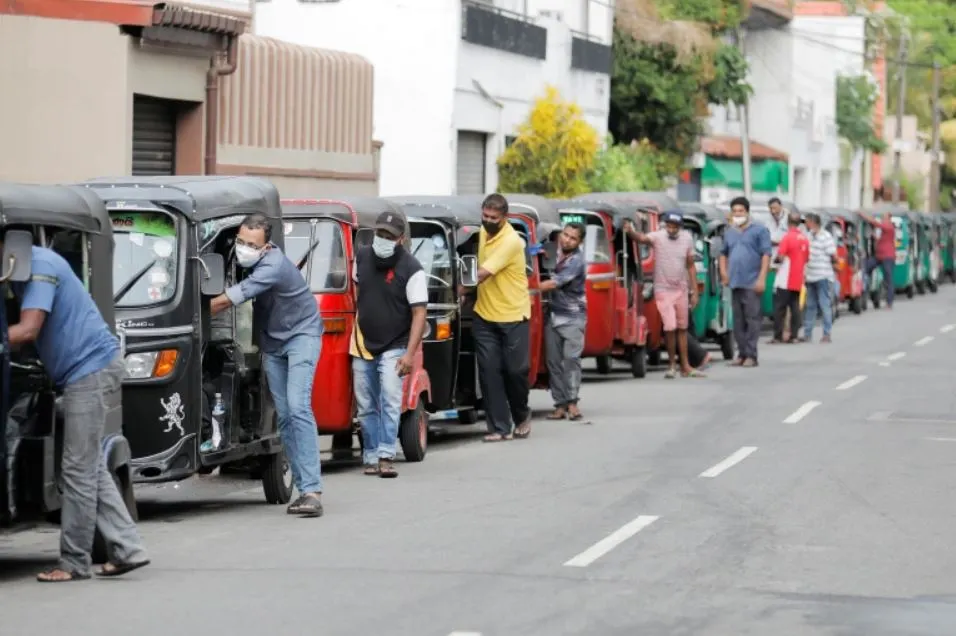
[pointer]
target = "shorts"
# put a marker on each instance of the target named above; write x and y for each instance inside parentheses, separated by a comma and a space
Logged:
(673, 307)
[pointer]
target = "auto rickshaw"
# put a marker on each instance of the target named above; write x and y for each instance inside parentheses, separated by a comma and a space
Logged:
(174, 252)
(948, 244)
(713, 316)
(616, 326)
(840, 224)
(74, 223)
(321, 236)
(927, 253)
(449, 356)
(904, 269)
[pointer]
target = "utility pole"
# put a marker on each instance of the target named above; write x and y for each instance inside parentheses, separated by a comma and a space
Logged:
(900, 106)
(934, 169)
(744, 129)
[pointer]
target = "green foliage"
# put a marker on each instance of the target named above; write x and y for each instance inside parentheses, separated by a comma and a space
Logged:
(719, 15)
(553, 153)
(856, 97)
(729, 81)
(912, 187)
(636, 167)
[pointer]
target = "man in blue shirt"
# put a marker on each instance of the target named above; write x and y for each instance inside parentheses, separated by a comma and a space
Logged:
(290, 337)
(744, 261)
(82, 358)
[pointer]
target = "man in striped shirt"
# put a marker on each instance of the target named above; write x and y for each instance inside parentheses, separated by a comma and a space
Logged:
(818, 278)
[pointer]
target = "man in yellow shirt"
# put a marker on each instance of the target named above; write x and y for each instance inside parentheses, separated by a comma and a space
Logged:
(501, 324)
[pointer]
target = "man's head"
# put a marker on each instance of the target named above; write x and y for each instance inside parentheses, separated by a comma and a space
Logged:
(740, 211)
(794, 220)
(494, 209)
(813, 222)
(673, 222)
(571, 237)
(887, 217)
(776, 207)
(389, 232)
(253, 238)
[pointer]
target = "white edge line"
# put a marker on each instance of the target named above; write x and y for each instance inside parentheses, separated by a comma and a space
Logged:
(465, 634)
(610, 542)
(884, 364)
(852, 382)
(802, 412)
(947, 328)
(923, 341)
(896, 356)
(731, 461)
(940, 439)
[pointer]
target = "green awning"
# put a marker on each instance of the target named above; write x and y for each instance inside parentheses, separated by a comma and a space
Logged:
(768, 175)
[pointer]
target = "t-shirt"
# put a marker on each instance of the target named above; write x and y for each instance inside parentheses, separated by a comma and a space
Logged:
(886, 243)
(74, 341)
(670, 260)
(822, 249)
(503, 297)
(569, 298)
(745, 250)
(795, 249)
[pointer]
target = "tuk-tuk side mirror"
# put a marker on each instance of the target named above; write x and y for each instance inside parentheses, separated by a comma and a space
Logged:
(17, 256)
(213, 274)
(468, 268)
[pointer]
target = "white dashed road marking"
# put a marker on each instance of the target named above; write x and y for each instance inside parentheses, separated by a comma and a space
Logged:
(947, 328)
(802, 412)
(923, 341)
(465, 634)
(610, 542)
(733, 460)
(884, 364)
(895, 356)
(852, 382)
(940, 439)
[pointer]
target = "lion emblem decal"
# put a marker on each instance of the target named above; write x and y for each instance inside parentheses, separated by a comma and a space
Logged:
(175, 413)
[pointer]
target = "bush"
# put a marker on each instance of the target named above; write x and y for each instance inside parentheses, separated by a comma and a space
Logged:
(636, 167)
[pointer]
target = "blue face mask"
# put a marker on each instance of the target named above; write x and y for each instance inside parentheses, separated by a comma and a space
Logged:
(383, 247)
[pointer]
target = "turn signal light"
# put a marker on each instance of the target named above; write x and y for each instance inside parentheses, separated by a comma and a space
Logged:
(600, 285)
(165, 362)
(442, 330)
(334, 325)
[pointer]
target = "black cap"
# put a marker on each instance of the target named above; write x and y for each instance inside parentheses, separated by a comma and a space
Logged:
(391, 222)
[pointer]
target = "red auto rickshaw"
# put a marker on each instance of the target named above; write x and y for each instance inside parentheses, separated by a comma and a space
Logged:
(616, 326)
(843, 225)
(321, 236)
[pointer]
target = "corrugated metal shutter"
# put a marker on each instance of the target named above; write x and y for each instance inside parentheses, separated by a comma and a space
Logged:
(154, 136)
(471, 162)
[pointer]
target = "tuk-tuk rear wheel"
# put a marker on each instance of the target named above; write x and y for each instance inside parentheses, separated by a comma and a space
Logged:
(638, 362)
(856, 304)
(727, 345)
(277, 478)
(910, 292)
(603, 364)
(413, 433)
(933, 287)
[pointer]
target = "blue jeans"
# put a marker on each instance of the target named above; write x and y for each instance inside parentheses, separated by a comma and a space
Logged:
(378, 397)
(818, 301)
(290, 372)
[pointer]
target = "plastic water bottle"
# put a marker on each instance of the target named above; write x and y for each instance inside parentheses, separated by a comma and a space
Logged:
(218, 412)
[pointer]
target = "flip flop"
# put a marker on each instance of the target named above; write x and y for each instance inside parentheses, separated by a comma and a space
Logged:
(693, 373)
(670, 374)
(494, 438)
(71, 576)
(119, 569)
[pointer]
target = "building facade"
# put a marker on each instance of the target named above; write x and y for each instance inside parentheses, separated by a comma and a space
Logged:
(454, 78)
(120, 87)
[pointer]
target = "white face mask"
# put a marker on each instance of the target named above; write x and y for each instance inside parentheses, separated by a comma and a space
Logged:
(247, 256)
(383, 247)
(739, 220)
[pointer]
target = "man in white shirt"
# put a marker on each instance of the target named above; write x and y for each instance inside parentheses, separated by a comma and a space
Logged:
(819, 278)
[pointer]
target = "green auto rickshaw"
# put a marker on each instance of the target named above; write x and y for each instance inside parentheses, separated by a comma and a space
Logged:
(904, 270)
(924, 251)
(947, 228)
(713, 315)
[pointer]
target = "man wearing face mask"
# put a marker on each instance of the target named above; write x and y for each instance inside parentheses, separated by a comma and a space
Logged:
(392, 299)
(290, 338)
(744, 261)
(675, 286)
(501, 324)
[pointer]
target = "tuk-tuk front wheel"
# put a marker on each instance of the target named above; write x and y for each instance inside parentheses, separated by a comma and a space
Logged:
(413, 432)
(277, 478)
(638, 360)
(933, 287)
(856, 304)
(910, 292)
(603, 364)
(727, 345)
(920, 287)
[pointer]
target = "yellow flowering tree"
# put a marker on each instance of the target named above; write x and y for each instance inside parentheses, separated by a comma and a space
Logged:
(554, 152)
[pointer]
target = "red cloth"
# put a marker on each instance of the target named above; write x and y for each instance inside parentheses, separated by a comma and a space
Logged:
(795, 247)
(886, 244)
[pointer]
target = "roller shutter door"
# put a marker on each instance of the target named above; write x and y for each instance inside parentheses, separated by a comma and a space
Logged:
(471, 162)
(154, 136)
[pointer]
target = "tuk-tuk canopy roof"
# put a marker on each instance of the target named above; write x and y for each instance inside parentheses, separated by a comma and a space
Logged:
(661, 200)
(703, 211)
(466, 209)
(359, 211)
(847, 215)
(69, 207)
(617, 210)
(200, 198)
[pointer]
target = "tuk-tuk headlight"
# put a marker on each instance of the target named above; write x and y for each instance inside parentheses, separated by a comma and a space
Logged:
(648, 290)
(151, 364)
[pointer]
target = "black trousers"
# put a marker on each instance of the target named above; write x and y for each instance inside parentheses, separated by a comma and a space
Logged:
(784, 299)
(695, 352)
(502, 350)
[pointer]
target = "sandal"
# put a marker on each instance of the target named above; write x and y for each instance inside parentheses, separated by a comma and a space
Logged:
(371, 469)
(739, 362)
(575, 415)
(750, 362)
(775, 341)
(58, 575)
(693, 373)
(307, 506)
(558, 414)
(119, 569)
(386, 469)
(523, 430)
(496, 437)
(670, 374)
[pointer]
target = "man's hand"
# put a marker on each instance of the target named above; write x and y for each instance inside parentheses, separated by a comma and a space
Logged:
(725, 279)
(404, 365)
(693, 299)
(760, 285)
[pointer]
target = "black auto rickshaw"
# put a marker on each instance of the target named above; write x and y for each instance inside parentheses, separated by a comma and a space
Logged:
(74, 223)
(174, 252)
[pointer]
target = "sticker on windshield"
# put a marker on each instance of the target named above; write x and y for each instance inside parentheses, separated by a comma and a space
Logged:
(159, 278)
(153, 224)
(287, 228)
(438, 241)
(154, 293)
(162, 248)
(137, 238)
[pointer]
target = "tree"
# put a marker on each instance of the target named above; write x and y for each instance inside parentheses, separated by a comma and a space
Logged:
(553, 153)
(634, 167)
(856, 97)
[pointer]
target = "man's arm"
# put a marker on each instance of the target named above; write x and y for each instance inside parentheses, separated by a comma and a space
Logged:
(262, 278)
(573, 270)
(501, 257)
(866, 217)
(766, 248)
(37, 302)
(416, 293)
(640, 237)
(692, 277)
(782, 250)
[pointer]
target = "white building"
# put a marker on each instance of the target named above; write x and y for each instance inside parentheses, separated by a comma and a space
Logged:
(793, 70)
(454, 78)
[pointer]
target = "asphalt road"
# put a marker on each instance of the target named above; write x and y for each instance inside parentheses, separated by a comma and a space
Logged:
(812, 495)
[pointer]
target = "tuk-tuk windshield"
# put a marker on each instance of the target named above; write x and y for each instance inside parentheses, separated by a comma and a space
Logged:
(326, 268)
(145, 258)
(430, 246)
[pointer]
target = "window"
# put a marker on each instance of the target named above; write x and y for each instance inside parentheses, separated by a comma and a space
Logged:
(430, 247)
(324, 266)
(596, 244)
(145, 258)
